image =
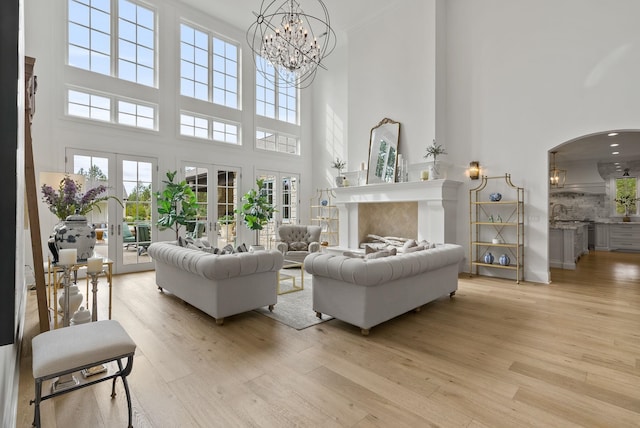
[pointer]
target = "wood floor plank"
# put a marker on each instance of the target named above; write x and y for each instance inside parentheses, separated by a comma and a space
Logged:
(498, 354)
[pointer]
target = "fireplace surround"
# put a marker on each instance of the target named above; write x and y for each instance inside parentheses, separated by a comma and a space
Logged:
(422, 210)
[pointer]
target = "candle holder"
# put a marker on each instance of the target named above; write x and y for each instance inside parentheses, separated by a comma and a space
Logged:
(94, 291)
(68, 380)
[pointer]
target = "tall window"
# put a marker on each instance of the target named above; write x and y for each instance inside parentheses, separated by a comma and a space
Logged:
(90, 42)
(284, 107)
(136, 43)
(90, 35)
(197, 65)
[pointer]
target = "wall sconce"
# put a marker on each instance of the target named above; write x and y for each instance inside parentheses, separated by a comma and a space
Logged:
(474, 170)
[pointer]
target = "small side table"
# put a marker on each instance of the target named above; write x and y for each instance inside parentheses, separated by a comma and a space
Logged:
(285, 276)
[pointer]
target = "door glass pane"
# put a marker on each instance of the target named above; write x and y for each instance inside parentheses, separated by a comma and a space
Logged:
(227, 202)
(137, 199)
(289, 196)
(267, 236)
(198, 179)
(96, 170)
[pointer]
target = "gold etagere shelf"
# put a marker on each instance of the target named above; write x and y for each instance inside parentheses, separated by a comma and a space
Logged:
(496, 225)
(325, 215)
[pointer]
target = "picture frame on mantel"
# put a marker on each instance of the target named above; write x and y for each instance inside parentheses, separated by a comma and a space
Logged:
(383, 152)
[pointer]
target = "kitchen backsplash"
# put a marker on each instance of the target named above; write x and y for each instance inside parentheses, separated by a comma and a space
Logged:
(580, 206)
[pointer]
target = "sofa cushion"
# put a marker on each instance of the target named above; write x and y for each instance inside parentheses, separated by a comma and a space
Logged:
(298, 246)
(381, 253)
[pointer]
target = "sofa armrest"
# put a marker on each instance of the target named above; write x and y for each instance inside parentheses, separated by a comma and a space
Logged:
(314, 247)
(283, 247)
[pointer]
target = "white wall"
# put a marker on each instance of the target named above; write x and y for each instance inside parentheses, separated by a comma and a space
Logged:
(527, 76)
(521, 77)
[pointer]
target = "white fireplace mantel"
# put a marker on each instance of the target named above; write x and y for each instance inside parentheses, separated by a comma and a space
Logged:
(437, 207)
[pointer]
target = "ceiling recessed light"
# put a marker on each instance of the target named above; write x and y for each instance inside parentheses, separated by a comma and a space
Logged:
(612, 134)
(616, 163)
(615, 153)
(614, 145)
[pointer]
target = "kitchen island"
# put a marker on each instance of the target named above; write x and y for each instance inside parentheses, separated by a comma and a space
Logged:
(568, 241)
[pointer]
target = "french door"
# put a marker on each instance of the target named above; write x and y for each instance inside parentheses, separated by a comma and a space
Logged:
(216, 189)
(124, 231)
(283, 191)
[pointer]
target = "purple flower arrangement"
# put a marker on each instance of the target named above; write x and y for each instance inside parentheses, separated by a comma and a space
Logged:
(67, 199)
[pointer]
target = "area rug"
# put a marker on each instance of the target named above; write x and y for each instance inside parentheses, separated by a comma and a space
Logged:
(295, 309)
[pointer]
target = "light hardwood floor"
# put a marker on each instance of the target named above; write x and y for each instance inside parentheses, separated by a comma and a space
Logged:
(496, 355)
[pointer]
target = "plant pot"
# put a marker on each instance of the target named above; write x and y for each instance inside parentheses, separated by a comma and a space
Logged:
(340, 181)
(626, 218)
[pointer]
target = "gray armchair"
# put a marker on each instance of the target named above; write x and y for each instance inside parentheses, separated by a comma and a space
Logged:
(298, 241)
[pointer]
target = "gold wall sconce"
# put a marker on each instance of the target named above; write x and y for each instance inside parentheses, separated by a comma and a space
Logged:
(474, 170)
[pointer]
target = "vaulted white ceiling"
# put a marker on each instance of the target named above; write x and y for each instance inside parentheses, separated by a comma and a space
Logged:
(344, 14)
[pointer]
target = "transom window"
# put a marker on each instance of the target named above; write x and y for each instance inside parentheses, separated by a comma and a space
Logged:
(276, 142)
(110, 108)
(90, 42)
(209, 128)
(196, 65)
(284, 107)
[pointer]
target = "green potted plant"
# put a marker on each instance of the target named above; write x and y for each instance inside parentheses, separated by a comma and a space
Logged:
(256, 211)
(434, 150)
(339, 164)
(177, 204)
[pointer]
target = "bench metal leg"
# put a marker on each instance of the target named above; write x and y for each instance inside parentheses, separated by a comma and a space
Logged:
(123, 374)
(36, 413)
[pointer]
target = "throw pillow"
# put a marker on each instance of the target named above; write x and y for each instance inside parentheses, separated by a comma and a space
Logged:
(414, 249)
(211, 250)
(381, 253)
(409, 244)
(181, 242)
(299, 246)
(352, 255)
(192, 247)
(227, 249)
(242, 248)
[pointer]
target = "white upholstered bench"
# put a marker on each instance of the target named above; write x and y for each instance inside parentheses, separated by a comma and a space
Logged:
(67, 350)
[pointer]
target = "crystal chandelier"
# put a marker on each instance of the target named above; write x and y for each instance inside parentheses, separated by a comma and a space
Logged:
(294, 43)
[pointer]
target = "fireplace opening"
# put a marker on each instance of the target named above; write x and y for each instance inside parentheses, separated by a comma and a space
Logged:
(397, 219)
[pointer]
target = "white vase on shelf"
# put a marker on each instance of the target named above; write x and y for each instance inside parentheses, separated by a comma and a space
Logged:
(75, 299)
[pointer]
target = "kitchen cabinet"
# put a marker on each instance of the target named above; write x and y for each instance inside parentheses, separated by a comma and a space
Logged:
(602, 237)
(497, 225)
(624, 236)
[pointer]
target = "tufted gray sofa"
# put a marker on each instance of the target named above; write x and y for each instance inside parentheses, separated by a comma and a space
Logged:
(220, 285)
(368, 292)
(298, 241)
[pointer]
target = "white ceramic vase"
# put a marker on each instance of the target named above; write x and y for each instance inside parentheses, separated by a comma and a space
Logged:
(75, 299)
(76, 233)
